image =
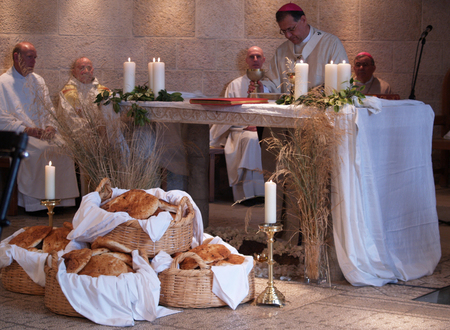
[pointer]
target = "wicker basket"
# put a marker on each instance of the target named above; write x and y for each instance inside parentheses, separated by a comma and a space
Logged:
(54, 299)
(15, 279)
(177, 238)
(193, 288)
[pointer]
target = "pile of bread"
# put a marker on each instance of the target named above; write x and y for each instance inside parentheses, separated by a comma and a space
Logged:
(212, 255)
(138, 203)
(105, 257)
(43, 238)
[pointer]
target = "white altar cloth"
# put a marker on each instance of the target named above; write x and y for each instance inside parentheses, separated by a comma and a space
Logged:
(384, 204)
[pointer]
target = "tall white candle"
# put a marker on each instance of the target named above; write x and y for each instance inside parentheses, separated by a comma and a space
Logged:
(150, 74)
(270, 205)
(158, 77)
(129, 72)
(49, 181)
(301, 79)
(344, 74)
(330, 78)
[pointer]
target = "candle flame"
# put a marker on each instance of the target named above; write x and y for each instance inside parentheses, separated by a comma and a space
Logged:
(153, 59)
(343, 61)
(50, 163)
(158, 59)
(129, 59)
(301, 61)
(331, 62)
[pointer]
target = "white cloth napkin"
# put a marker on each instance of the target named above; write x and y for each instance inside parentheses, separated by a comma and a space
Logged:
(230, 283)
(32, 262)
(90, 221)
(115, 300)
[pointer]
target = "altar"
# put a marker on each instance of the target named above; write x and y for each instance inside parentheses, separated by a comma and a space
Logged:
(385, 223)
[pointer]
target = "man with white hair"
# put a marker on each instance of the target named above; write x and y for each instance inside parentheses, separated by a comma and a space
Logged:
(25, 106)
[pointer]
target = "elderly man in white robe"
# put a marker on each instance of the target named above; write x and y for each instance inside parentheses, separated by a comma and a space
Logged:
(24, 107)
(242, 149)
(306, 43)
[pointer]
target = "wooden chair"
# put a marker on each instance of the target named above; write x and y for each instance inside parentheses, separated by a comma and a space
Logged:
(4, 171)
(212, 166)
(443, 120)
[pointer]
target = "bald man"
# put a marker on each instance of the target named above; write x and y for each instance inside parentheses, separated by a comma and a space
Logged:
(242, 150)
(79, 93)
(25, 106)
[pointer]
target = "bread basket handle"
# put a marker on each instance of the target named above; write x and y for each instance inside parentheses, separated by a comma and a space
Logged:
(53, 256)
(178, 259)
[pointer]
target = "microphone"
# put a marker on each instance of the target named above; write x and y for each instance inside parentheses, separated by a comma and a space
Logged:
(427, 30)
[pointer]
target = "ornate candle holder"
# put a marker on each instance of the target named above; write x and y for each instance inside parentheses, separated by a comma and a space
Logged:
(271, 295)
(255, 75)
(50, 204)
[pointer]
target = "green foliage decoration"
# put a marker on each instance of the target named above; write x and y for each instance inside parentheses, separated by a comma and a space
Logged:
(139, 93)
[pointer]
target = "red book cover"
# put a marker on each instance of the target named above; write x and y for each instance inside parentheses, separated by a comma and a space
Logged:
(228, 101)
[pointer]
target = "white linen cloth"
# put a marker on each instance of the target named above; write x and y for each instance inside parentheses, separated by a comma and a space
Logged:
(385, 223)
(32, 262)
(25, 102)
(230, 283)
(90, 221)
(115, 300)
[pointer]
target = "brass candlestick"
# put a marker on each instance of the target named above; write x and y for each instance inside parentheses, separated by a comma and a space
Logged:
(271, 295)
(255, 75)
(50, 204)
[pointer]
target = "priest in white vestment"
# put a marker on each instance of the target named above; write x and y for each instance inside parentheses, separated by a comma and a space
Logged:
(24, 106)
(306, 43)
(364, 67)
(242, 149)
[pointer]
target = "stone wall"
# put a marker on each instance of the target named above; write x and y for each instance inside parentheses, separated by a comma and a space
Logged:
(203, 42)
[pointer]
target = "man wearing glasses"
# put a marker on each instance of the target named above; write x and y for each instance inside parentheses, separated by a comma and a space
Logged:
(306, 43)
(364, 67)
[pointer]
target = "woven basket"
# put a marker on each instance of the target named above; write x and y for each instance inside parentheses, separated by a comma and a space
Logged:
(193, 288)
(54, 299)
(177, 238)
(15, 279)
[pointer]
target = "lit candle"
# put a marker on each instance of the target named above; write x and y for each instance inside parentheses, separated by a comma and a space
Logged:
(158, 77)
(344, 73)
(270, 205)
(330, 78)
(129, 71)
(150, 74)
(49, 181)
(301, 79)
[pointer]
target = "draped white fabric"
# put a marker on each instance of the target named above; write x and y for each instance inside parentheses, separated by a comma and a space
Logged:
(384, 205)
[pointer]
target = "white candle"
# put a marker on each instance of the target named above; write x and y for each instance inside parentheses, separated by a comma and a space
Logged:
(49, 181)
(270, 205)
(150, 74)
(301, 79)
(158, 77)
(344, 73)
(129, 71)
(330, 78)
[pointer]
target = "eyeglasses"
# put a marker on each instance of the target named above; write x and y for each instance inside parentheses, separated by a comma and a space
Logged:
(292, 29)
(364, 65)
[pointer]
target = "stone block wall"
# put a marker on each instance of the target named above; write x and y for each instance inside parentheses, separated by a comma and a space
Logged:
(203, 42)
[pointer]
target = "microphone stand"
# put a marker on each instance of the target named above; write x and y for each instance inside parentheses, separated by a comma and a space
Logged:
(412, 96)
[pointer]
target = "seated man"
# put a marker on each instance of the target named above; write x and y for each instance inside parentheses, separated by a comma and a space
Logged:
(242, 150)
(25, 106)
(78, 95)
(364, 67)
